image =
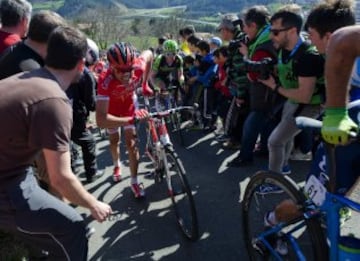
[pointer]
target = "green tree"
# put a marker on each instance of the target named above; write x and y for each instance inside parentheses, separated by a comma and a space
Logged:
(103, 24)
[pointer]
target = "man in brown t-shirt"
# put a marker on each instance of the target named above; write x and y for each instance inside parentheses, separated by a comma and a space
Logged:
(36, 116)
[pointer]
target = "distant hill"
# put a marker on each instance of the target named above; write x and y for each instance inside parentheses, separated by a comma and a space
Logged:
(71, 8)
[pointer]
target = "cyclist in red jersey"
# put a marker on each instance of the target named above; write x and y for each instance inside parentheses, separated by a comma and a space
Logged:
(116, 103)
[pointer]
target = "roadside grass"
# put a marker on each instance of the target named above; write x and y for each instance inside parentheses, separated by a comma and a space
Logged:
(11, 249)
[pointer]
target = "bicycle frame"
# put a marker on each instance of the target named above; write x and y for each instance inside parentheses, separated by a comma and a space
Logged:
(332, 206)
(279, 227)
(157, 132)
(159, 136)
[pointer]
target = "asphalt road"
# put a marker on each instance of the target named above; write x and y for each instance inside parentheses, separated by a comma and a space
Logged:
(146, 229)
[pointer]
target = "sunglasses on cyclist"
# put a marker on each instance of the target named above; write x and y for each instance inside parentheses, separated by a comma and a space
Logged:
(170, 54)
(276, 32)
(122, 69)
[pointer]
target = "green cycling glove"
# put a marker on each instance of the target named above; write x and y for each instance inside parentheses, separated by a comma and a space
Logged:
(337, 126)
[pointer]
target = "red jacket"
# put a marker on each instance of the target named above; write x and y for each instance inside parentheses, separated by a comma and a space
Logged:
(219, 84)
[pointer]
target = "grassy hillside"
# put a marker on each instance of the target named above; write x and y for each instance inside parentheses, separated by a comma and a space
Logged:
(70, 8)
(47, 5)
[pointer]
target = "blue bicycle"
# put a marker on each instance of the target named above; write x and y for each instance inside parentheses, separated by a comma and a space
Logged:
(312, 235)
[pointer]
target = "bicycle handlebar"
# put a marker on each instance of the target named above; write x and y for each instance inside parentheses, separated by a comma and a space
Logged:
(162, 114)
(306, 122)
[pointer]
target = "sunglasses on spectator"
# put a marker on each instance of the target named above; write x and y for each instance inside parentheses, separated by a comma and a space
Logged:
(276, 32)
(122, 70)
(170, 54)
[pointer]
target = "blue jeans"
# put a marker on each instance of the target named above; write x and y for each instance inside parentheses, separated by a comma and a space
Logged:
(256, 122)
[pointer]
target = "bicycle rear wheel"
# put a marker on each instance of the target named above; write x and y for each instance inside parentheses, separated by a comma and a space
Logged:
(309, 237)
(181, 195)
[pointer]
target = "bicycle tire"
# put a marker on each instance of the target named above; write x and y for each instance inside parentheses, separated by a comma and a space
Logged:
(181, 195)
(176, 126)
(311, 240)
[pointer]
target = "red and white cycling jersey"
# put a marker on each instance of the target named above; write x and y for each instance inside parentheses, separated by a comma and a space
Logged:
(122, 97)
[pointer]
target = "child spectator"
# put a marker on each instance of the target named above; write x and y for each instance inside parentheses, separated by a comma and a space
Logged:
(215, 42)
(205, 78)
(189, 71)
(192, 42)
(222, 92)
(185, 33)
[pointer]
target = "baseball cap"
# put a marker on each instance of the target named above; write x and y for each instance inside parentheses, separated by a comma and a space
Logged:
(215, 40)
(227, 22)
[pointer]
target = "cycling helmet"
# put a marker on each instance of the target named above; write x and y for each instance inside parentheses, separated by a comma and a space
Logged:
(121, 54)
(170, 46)
(92, 54)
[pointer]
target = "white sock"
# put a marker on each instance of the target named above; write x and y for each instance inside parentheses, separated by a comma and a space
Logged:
(117, 163)
(133, 180)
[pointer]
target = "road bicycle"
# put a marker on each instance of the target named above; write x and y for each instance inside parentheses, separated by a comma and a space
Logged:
(304, 237)
(169, 170)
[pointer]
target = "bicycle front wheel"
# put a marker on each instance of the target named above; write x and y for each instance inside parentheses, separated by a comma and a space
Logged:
(176, 126)
(181, 195)
(307, 233)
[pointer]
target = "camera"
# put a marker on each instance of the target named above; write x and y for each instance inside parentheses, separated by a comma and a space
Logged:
(263, 67)
(235, 44)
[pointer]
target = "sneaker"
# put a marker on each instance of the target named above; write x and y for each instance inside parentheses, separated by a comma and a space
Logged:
(298, 155)
(98, 174)
(239, 162)
(117, 174)
(209, 128)
(286, 170)
(268, 189)
(138, 190)
(345, 215)
(230, 145)
(222, 138)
